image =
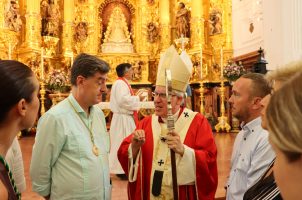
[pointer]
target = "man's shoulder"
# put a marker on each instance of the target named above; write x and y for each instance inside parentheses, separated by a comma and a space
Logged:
(62, 108)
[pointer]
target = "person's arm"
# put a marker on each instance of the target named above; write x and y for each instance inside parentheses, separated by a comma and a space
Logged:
(49, 142)
(124, 98)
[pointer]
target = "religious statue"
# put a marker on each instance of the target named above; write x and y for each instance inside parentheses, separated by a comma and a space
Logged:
(137, 71)
(53, 18)
(44, 6)
(117, 30)
(81, 32)
(215, 22)
(12, 17)
(152, 31)
(117, 37)
(182, 21)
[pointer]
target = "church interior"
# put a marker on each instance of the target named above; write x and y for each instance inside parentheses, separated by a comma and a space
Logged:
(218, 35)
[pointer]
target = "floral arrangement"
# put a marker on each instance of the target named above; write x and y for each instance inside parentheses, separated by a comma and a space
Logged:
(57, 81)
(233, 71)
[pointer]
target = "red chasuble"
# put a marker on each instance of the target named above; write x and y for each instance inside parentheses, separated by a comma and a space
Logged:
(200, 138)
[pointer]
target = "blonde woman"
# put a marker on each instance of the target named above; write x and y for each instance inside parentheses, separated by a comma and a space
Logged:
(266, 187)
(284, 114)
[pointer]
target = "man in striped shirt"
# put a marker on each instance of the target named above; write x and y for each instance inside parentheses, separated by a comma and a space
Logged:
(252, 152)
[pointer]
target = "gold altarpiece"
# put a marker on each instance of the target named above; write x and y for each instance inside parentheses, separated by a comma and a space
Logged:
(147, 27)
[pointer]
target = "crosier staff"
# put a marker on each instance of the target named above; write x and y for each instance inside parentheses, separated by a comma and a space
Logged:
(170, 126)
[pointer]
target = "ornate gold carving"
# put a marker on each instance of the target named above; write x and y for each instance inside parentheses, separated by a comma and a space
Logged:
(222, 120)
(50, 44)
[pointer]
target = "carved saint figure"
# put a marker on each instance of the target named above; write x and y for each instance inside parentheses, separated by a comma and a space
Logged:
(12, 17)
(182, 21)
(53, 18)
(44, 6)
(117, 30)
(215, 22)
(152, 31)
(137, 71)
(81, 32)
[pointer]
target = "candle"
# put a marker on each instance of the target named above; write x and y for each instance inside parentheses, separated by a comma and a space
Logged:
(201, 62)
(42, 65)
(9, 51)
(221, 62)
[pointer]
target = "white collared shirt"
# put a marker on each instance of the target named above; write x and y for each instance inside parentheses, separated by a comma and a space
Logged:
(251, 156)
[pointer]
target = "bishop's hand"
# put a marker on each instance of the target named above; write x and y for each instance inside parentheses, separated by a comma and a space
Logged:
(138, 140)
(174, 143)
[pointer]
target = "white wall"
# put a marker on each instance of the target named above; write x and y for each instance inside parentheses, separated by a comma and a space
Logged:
(278, 29)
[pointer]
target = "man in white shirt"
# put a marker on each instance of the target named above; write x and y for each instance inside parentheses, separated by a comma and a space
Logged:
(124, 105)
(252, 152)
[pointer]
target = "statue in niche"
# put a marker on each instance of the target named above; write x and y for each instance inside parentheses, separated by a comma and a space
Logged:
(117, 30)
(44, 6)
(137, 71)
(215, 22)
(117, 36)
(12, 17)
(81, 32)
(182, 21)
(53, 18)
(152, 31)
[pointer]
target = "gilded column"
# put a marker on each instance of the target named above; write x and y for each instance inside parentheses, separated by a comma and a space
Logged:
(228, 24)
(68, 27)
(93, 31)
(197, 24)
(164, 19)
(143, 34)
(33, 24)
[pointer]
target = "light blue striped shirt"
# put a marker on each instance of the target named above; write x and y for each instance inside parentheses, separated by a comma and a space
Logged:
(63, 164)
(251, 156)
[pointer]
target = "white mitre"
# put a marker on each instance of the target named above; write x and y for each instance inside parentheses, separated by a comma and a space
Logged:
(180, 67)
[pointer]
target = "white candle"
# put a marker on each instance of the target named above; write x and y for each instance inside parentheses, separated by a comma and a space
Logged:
(221, 62)
(42, 64)
(9, 51)
(201, 62)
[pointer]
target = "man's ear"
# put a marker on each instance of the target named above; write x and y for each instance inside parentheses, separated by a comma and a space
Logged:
(256, 102)
(80, 80)
(179, 100)
(22, 107)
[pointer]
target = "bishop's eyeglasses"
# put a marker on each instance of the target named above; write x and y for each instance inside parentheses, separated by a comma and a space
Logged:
(161, 95)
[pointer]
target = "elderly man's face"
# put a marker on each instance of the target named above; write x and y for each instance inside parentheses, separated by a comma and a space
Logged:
(160, 102)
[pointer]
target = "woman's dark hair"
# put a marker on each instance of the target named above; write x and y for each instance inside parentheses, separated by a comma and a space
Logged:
(87, 65)
(121, 69)
(15, 84)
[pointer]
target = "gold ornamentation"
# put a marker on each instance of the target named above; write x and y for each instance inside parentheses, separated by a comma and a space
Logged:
(50, 44)
(95, 150)
(222, 120)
